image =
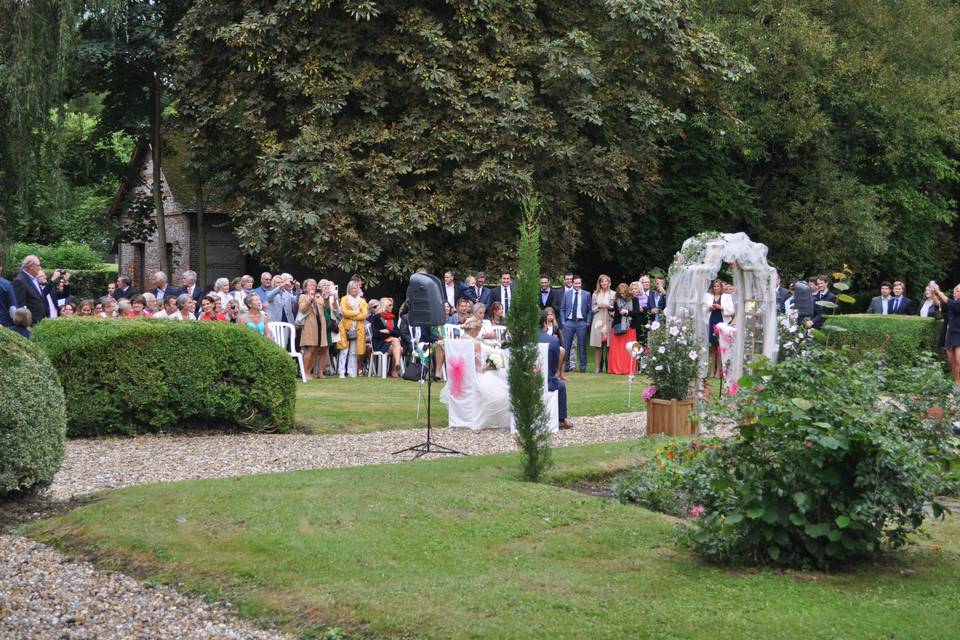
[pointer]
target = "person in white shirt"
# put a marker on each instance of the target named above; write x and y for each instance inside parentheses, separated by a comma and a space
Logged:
(450, 293)
(882, 303)
(931, 304)
(169, 310)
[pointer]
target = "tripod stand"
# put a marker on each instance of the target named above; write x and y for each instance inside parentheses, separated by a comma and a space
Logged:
(429, 446)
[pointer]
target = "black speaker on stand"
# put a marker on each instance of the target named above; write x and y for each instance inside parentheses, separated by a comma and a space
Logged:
(425, 299)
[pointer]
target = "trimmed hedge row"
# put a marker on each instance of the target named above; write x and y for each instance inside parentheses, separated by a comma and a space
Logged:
(130, 376)
(72, 255)
(33, 418)
(899, 338)
(92, 283)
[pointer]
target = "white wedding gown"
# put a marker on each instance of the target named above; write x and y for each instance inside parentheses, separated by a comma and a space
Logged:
(488, 403)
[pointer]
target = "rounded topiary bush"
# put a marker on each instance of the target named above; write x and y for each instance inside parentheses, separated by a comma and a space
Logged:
(33, 417)
(130, 376)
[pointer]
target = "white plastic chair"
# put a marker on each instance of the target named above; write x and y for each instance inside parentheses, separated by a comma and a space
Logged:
(381, 362)
(284, 334)
(452, 331)
(501, 334)
(551, 399)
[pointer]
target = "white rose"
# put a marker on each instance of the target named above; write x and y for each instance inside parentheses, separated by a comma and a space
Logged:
(674, 331)
(693, 355)
(659, 367)
(788, 345)
(654, 325)
(662, 350)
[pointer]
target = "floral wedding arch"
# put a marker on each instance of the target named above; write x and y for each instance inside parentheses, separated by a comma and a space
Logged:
(755, 296)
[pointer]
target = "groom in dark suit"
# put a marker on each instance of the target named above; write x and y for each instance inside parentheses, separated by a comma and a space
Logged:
(553, 363)
(504, 293)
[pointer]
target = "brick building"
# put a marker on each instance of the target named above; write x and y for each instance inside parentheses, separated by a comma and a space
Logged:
(139, 260)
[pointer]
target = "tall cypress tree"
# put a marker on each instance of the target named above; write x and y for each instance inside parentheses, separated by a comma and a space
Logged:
(523, 323)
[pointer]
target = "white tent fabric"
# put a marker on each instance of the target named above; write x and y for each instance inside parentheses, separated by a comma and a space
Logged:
(755, 294)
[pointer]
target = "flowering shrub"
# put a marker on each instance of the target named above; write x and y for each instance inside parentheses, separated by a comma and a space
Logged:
(661, 483)
(824, 470)
(671, 358)
(793, 338)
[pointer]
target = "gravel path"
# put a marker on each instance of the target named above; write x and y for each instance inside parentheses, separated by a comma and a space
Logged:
(110, 463)
(44, 594)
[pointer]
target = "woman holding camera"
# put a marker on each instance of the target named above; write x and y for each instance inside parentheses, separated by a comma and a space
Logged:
(313, 332)
(951, 334)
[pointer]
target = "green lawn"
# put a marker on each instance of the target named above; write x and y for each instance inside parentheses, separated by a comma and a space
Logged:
(459, 548)
(359, 405)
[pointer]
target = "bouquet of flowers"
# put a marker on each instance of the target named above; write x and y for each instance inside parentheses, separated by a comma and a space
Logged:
(495, 361)
(670, 359)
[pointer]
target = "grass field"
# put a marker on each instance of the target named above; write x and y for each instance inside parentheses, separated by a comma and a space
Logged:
(360, 405)
(460, 548)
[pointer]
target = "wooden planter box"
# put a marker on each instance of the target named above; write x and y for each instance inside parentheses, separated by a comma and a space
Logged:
(669, 417)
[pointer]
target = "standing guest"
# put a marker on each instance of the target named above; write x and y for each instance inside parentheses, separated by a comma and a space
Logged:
(254, 316)
(160, 287)
(931, 304)
(137, 307)
(902, 305)
(554, 358)
(111, 287)
(266, 281)
(208, 307)
(237, 294)
(576, 314)
(730, 291)
(469, 284)
(385, 334)
(782, 295)
(549, 297)
(479, 292)
(313, 334)
(169, 309)
(602, 309)
(68, 309)
(951, 343)
(642, 317)
(51, 292)
(281, 301)
(221, 289)
(657, 298)
(8, 301)
(881, 304)
(149, 304)
(626, 308)
(644, 289)
(450, 289)
(188, 280)
(719, 308)
(331, 317)
(123, 288)
(504, 293)
(567, 282)
(353, 340)
(22, 322)
(185, 308)
(86, 308)
(28, 290)
(823, 294)
(108, 307)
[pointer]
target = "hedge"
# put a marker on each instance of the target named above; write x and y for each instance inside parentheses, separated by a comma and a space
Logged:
(900, 338)
(71, 255)
(130, 376)
(33, 419)
(92, 283)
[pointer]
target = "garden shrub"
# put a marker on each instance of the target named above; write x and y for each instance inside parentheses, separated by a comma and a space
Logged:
(829, 466)
(661, 483)
(92, 283)
(32, 416)
(128, 376)
(898, 338)
(70, 255)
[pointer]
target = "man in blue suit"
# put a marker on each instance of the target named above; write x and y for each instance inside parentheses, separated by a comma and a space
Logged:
(553, 363)
(478, 292)
(576, 315)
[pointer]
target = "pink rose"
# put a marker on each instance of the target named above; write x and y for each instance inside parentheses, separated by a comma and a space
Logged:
(697, 511)
(649, 392)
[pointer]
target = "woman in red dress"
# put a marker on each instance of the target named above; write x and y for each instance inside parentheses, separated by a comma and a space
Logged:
(625, 309)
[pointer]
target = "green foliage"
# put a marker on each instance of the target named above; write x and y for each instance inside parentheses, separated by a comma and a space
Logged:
(92, 283)
(130, 376)
(661, 483)
(33, 420)
(523, 323)
(671, 358)
(396, 133)
(826, 468)
(899, 338)
(69, 255)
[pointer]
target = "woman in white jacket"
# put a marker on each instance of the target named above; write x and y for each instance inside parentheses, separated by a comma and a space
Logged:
(718, 307)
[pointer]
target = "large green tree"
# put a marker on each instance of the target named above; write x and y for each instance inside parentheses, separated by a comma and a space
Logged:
(382, 136)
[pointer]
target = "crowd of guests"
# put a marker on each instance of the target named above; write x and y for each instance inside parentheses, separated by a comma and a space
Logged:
(336, 333)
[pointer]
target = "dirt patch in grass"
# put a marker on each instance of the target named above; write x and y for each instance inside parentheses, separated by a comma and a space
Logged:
(19, 508)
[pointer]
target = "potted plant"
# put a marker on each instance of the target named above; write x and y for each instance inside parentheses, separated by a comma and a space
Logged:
(670, 360)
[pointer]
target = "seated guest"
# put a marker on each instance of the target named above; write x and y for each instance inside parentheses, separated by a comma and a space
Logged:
(137, 305)
(931, 304)
(123, 308)
(385, 335)
(487, 333)
(108, 307)
(22, 321)
(881, 304)
(169, 310)
(86, 308)
(68, 309)
(208, 304)
(553, 365)
(255, 317)
(221, 289)
(902, 305)
(463, 312)
(149, 304)
(447, 310)
(237, 293)
(185, 308)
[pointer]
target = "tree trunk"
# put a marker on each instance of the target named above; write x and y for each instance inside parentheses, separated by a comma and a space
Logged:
(201, 234)
(157, 182)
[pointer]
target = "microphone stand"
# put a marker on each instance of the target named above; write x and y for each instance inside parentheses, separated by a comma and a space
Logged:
(429, 446)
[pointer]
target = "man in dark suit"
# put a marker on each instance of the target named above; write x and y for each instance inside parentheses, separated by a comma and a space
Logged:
(549, 297)
(124, 290)
(553, 363)
(195, 291)
(504, 293)
(783, 294)
(824, 294)
(451, 292)
(576, 313)
(160, 287)
(657, 298)
(883, 303)
(902, 305)
(29, 291)
(478, 292)
(8, 301)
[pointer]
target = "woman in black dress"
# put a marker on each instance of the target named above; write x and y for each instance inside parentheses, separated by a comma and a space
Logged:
(951, 316)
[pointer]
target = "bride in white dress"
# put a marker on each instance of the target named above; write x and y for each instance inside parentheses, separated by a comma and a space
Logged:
(491, 397)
